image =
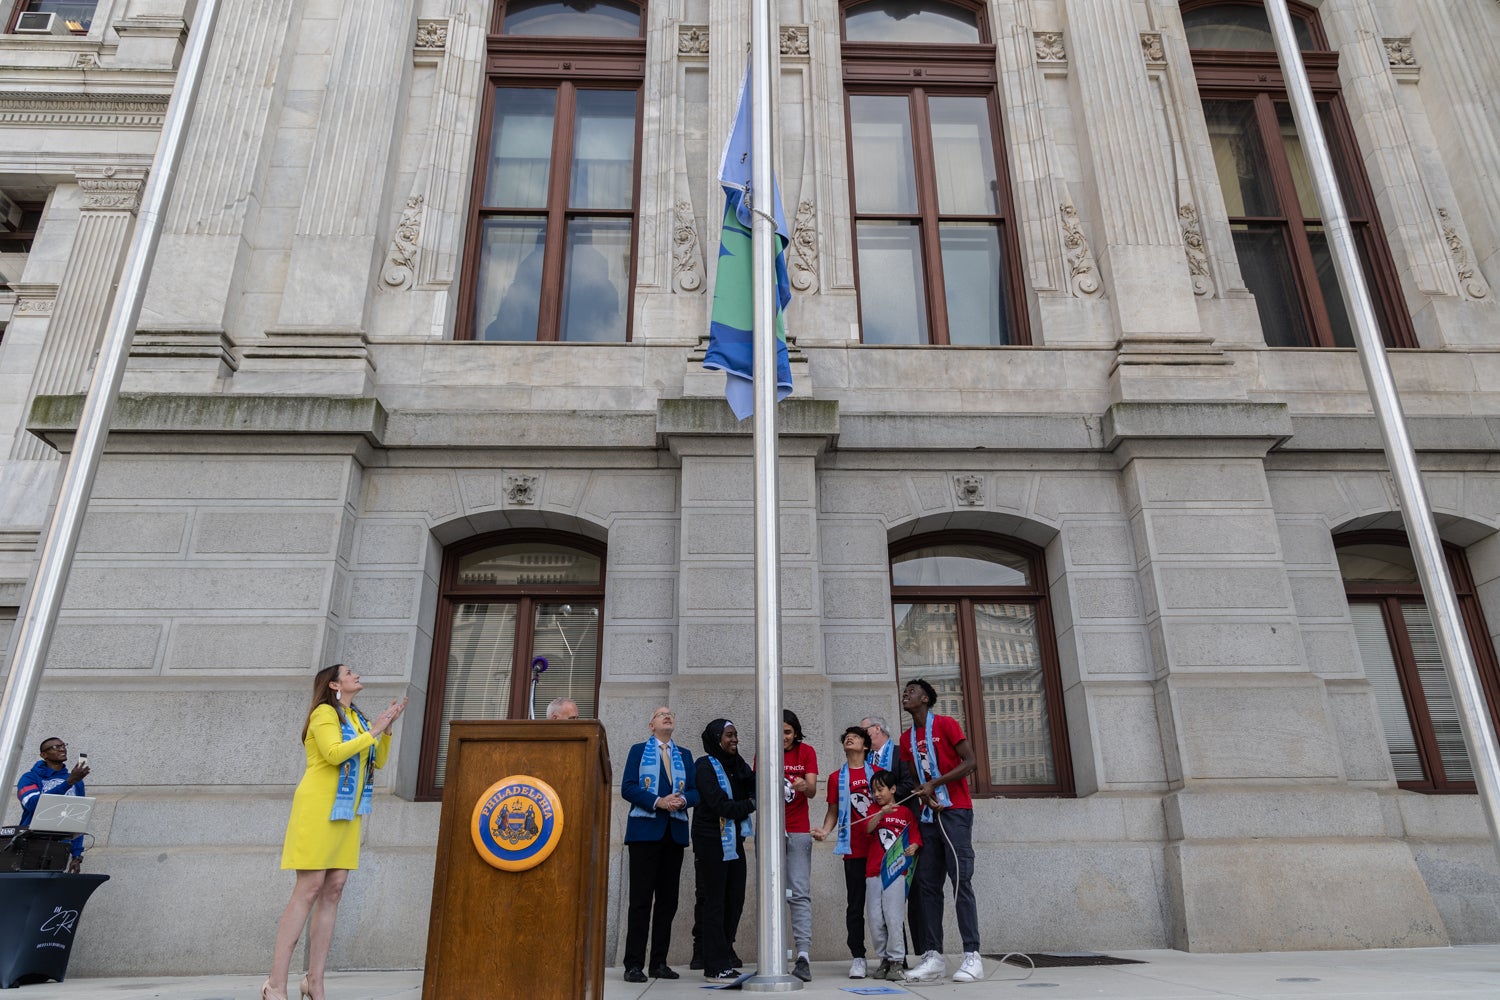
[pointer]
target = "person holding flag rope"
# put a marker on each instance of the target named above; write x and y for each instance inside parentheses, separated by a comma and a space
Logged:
(891, 842)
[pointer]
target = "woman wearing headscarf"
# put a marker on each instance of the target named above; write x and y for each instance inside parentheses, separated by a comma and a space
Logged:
(726, 798)
(322, 836)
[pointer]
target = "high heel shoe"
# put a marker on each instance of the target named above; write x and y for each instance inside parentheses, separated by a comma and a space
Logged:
(267, 993)
(305, 990)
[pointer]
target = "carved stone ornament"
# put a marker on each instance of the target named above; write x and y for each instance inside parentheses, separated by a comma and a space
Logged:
(401, 258)
(432, 34)
(969, 490)
(1398, 52)
(1192, 245)
(692, 39)
(521, 490)
(794, 40)
(1473, 283)
(86, 60)
(687, 250)
(804, 261)
(112, 192)
(34, 307)
(1152, 48)
(1049, 46)
(133, 111)
(1083, 276)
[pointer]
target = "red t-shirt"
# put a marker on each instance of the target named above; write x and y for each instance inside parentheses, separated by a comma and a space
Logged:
(891, 825)
(860, 804)
(798, 762)
(946, 736)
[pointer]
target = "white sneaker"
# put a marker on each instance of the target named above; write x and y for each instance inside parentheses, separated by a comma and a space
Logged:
(857, 969)
(929, 970)
(972, 969)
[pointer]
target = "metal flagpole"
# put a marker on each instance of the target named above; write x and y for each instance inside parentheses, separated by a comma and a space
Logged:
(770, 820)
(60, 541)
(1432, 569)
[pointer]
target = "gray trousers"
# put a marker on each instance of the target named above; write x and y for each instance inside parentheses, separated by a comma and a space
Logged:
(885, 912)
(799, 887)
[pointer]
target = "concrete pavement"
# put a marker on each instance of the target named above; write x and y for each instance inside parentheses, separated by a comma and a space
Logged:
(1462, 973)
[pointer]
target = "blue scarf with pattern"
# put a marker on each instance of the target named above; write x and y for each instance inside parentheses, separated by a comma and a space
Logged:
(343, 800)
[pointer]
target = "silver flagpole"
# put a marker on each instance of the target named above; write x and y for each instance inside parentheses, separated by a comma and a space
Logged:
(770, 821)
(60, 541)
(1432, 569)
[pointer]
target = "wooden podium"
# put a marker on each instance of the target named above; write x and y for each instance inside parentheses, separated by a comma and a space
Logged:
(539, 932)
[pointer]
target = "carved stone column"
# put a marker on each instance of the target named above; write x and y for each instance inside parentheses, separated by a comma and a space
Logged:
(1140, 244)
(111, 196)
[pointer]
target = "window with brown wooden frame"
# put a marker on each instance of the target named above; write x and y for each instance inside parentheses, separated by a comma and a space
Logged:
(1398, 647)
(971, 617)
(551, 232)
(1278, 231)
(936, 257)
(507, 601)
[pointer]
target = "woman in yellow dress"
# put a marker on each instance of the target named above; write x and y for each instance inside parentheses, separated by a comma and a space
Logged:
(322, 836)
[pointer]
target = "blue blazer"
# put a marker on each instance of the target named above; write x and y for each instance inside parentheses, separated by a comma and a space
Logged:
(648, 829)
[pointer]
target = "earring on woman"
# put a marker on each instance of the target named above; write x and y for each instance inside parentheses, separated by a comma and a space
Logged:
(338, 696)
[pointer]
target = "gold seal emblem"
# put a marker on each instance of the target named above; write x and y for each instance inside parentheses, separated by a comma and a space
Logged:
(517, 823)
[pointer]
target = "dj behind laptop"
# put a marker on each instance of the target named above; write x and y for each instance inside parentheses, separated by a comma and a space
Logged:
(55, 812)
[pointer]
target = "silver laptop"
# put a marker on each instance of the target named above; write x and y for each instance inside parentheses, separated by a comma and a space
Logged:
(62, 813)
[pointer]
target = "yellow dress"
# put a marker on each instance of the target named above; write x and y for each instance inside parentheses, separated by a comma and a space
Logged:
(313, 841)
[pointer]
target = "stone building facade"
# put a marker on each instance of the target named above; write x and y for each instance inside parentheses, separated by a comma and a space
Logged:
(1103, 465)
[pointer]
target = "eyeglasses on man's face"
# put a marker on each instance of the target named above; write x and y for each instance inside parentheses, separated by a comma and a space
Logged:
(55, 746)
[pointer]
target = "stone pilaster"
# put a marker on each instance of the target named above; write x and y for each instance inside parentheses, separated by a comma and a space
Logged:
(1139, 240)
(216, 198)
(1260, 793)
(339, 240)
(111, 196)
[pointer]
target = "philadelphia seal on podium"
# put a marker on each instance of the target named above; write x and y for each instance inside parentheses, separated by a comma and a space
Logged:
(517, 823)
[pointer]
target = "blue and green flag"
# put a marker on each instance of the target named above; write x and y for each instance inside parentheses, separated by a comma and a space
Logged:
(731, 345)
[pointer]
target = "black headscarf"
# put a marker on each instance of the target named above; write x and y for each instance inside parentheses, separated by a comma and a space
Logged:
(734, 765)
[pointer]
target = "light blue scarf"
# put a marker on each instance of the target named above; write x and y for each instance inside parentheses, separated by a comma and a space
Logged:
(648, 771)
(729, 827)
(846, 812)
(882, 758)
(924, 774)
(343, 801)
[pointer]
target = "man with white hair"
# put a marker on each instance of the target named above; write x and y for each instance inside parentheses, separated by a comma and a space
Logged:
(562, 709)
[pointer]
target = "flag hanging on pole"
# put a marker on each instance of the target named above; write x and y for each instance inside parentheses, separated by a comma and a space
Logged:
(731, 343)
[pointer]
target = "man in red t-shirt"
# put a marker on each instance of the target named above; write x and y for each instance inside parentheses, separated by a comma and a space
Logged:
(799, 769)
(942, 759)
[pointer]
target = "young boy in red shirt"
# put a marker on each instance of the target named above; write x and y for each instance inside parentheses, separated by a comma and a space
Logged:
(891, 832)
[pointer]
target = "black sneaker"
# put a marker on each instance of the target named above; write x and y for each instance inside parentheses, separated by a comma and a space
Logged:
(695, 963)
(663, 972)
(634, 975)
(801, 970)
(725, 976)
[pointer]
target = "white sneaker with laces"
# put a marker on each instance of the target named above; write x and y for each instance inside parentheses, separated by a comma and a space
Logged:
(857, 969)
(929, 970)
(972, 969)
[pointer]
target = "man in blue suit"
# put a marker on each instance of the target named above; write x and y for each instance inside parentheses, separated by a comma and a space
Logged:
(659, 785)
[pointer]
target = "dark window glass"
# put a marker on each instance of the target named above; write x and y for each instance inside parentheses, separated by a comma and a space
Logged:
(78, 17)
(1238, 26)
(576, 18)
(911, 21)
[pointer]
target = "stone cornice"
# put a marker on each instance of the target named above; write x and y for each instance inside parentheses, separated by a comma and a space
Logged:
(100, 110)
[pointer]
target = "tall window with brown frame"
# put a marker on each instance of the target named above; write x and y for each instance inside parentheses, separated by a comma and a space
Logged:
(551, 230)
(1398, 647)
(1279, 236)
(519, 623)
(936, 256)
(972, 618)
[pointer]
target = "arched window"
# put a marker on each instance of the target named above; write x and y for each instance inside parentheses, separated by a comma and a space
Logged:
(1398, 646)
(1279, 236)
(935, 243)
(507, 600)
(551, 235)
(972, 618)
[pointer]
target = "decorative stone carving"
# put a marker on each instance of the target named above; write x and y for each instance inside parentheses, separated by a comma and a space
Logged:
(1049, 47)
(687, 250)
(692, 39)
(804, 274)
(969, 490)
(794, 40)
(145, 111)
(432, 34)
(34, 307)
(86, 60)
(1083, 276)
(401, 258)
(1470, 279)
(1152, 48)
(1192, 244)
(1398, 52)
(112, 190)
(521, 490)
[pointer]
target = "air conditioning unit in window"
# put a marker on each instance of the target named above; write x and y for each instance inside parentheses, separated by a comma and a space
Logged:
(39, 23)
